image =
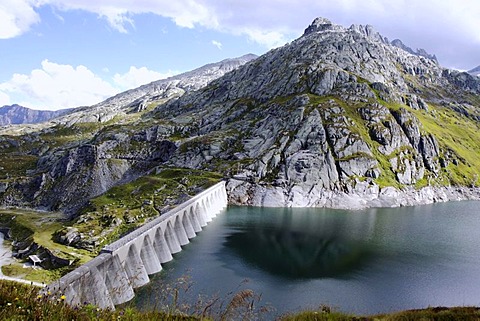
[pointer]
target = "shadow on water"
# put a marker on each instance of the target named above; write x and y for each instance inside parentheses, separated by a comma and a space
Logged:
(299, 246)
(365, 262)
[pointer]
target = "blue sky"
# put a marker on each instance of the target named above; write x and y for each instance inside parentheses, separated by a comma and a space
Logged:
(67, 53)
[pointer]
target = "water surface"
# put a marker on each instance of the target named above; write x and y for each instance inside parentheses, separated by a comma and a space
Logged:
(367, 262)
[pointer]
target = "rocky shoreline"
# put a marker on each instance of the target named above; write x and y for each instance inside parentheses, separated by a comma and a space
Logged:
(362, 196)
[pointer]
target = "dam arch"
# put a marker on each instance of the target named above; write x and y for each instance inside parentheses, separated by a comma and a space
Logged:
(110, 278)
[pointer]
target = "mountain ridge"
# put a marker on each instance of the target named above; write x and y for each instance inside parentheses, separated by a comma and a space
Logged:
(339, 117)
(137, 99)
(475, 71)
(356, 65)
(16, 114)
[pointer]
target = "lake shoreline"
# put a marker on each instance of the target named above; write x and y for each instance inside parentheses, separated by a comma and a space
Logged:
(362, 196)
(304, 258)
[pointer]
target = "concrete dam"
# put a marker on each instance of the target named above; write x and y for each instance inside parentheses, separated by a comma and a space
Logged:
(110, 278)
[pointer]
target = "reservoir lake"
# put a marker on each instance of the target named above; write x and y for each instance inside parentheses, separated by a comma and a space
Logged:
(366, 262)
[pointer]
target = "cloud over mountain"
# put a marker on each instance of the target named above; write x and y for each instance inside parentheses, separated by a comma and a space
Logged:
(430, 23)
(55, 86)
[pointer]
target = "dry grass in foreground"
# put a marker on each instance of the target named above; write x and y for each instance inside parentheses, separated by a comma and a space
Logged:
(23, 302)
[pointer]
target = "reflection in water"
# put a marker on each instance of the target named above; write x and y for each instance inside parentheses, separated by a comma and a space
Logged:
(365, 262)
(301, 245)
(296, 255)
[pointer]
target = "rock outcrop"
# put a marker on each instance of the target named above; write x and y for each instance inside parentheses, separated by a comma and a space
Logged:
(340, 118)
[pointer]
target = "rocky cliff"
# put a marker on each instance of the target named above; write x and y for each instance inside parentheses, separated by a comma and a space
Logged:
(340, 117)
(61, 164)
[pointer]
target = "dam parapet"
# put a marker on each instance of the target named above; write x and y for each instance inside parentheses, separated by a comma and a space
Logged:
(124, 265)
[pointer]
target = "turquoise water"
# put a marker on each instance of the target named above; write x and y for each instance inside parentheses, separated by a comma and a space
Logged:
(371, 261)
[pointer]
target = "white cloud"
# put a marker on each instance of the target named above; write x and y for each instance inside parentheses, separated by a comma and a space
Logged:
(16, 17)
(56, 86)
(136, 77)
(217, 44)
(4, 99)
(260, 20)
(437, 25)
(270, 39)
(185, 13)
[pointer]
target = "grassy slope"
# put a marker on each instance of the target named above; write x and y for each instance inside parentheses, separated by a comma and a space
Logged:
(40, 226)
(460, 135)
(433, 314)
(22, 302)
(134, 203)
(454, 132)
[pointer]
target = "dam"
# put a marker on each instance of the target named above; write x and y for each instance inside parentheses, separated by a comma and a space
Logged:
(110, 278)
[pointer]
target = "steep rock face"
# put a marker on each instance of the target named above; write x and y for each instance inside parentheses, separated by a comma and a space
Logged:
(332, 113)
(340, 117)
(67, 179)
(15, 114)
(84, 159)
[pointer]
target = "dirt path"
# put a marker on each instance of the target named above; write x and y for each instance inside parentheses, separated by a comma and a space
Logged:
(5, 259)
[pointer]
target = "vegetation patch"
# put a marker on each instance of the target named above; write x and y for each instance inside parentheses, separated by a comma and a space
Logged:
(22, 302)
(125, 207)
(29, 228)
(457, 133)
(15, 165)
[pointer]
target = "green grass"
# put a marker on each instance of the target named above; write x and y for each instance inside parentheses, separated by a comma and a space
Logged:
(38, 227)
(17, 270)
(324, 315)
(14, 165)
(22, 302)
(459, 134)
(134, 203)
(433, 314)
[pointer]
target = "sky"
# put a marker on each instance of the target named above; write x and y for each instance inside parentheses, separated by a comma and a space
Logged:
(67, 53)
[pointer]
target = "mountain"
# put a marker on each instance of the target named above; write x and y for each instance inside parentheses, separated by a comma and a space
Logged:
(475, 71)
(138, 99)
(15, 114)
(419, 52)
(339, 117)
(42, 165)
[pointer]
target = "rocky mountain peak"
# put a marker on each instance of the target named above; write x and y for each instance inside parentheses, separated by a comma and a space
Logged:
(368, 31)
(318, 25)
(419, 52)
(340, 117)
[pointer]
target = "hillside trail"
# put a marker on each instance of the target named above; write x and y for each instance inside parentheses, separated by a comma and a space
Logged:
(5, 259)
